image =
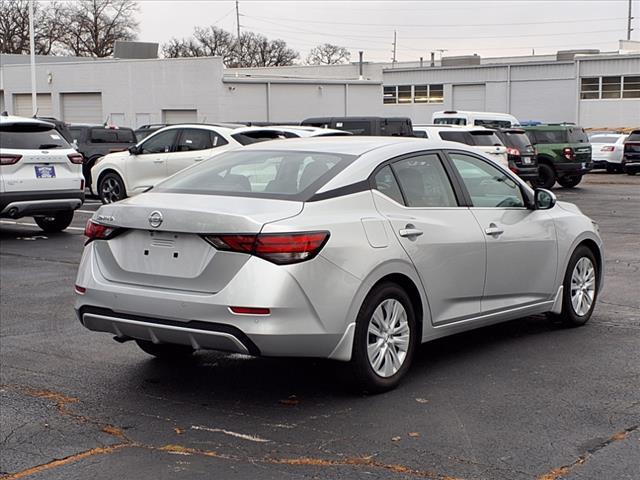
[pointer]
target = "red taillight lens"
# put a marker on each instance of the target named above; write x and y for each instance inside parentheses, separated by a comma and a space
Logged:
(9, 159)
(76, 158)
(513, 151)
(97, 231)
(279, 248)
(567, 153)
(250, 311)
(607, 148)
(80, 290)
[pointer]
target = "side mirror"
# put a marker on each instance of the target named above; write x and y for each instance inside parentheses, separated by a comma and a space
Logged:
(134, 150)
(543, 199)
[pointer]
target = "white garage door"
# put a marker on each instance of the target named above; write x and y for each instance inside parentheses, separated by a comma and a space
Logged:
(469, 97)
(82, 107)
(179, 116)
(22, 105)
(2, 109)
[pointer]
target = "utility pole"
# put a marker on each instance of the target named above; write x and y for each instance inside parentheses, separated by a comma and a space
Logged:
(629, 18)
(238, 18)
(32, 57)
(393, 60)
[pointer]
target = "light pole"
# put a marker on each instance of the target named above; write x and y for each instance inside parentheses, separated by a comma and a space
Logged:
(32, 47)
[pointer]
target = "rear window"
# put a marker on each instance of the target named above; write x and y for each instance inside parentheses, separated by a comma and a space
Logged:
(634, 137)
(76, 134)
(485, 139)
(492, 123)
(112, 135)
(288, 175)
(577, 135)
(604, 138)
(357, 128)
(243, 139)
(548, 136)
(517, 140)
(450, 121)
(34, 137)
(460, 137)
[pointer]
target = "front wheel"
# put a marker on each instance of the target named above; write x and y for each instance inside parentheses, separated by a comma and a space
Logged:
(55, 222)
(546, 177)
(580, 288)
(570, 181)
(111, 188)
(165, 351)
(385, 338)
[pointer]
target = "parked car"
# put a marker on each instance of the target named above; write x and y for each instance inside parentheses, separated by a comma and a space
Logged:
(564, 154)
(631, 157)
(41, 174)
(522, 157)
(484, 139)
(607, 150)
(481, 119)
(276, 132)
(95, 141)
(376, 126)
(349, 248)
(143, 131)
(60, 126)
(163, 153)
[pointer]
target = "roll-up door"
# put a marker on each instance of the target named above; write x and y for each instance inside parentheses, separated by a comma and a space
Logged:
(179, 116)
(82, 108)
(22, 105)
(469, 97)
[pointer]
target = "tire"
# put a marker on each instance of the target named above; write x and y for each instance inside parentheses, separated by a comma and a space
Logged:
(570, 181)
(572, 316)
(546, 177)
(383, 301)
(55, 222)
(111, 188)
(165, 351)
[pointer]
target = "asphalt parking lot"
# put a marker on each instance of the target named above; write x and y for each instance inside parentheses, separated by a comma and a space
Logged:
(521, 400)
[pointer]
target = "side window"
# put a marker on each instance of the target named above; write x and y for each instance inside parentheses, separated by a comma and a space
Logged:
(487, 185)
(193, 139)
(160, 143)
(460, 137)
(103, 135)
(217, 140)
(385, 182)
(424, 182)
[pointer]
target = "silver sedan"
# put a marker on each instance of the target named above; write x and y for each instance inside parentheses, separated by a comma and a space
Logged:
(354, 249)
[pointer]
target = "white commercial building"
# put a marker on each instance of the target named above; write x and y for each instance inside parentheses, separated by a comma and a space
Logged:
(589, 88)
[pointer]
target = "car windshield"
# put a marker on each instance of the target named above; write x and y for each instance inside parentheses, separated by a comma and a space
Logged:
(518, 140)
(294, 175)
(485, 139)
(31, 137)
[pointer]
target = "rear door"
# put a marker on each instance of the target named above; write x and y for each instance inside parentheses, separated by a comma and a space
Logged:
(193, 146)
(150, 165)
(521, 243)
(443, 240)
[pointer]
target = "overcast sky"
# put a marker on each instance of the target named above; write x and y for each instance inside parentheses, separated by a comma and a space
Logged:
(489, 28)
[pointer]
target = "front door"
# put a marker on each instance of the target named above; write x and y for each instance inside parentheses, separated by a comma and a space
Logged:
(442, 239)
(521, 243)
(149, 166)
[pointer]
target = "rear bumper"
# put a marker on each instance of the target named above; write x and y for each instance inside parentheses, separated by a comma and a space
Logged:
(631, 165)
(527, 173)
(573, 168)
(22, 204)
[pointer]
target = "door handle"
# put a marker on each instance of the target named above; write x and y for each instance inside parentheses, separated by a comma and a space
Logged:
(493, 229)
(410, 231)
(158, 161)
(198, 159)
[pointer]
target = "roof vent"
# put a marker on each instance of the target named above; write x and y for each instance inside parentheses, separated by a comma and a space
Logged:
(571, 54)
(123, 49)
(461, 61)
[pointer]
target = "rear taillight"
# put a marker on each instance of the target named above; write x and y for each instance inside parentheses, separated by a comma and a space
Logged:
(250, 311)
(9, 159)
(80, 290)
(279, 248)
(567, 153)
(513, 151)
(76, 158)
(607, 148)
(97, 231)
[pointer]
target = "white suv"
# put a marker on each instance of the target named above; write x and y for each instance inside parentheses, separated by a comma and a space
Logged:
(40, 176)
(484, 139)
(123, 174)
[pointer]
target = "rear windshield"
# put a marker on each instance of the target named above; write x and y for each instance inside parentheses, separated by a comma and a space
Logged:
(517, 140)
(548, 136)
(450, 121)
(288, 175)
(357, 128)
(577, 135)
(605, 138)
(634, 137)
(243, 139)
(485, 139)
(34, 137)
(112, 135)
(76, 134)
(460, 137)
(492, 123)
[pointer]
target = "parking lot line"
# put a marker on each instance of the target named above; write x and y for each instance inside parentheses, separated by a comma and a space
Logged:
(11, 222)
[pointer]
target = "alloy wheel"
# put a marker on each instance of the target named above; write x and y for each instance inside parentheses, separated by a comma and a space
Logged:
(583, 286)
(111, 190)
(388, 336)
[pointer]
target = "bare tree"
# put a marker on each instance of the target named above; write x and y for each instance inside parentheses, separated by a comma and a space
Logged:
(94, 26)
(256, 50)
(186, 47)
(215, 41)
(328, 54)
(14, 26)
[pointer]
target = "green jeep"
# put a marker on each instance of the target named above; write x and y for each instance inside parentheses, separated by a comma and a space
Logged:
(564, 154)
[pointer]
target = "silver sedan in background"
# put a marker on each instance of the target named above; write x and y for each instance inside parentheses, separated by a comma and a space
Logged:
(354, 249)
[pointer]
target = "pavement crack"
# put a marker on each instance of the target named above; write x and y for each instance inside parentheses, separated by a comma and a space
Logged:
(558, 472)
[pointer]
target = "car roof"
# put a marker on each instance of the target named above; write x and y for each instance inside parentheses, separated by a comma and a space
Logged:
(462, 128)
(13, 120)
(289, 128)
(201, 126)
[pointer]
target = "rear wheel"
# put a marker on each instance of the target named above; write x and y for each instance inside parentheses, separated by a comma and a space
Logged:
(385, 338)
(546, 177)
(111, 188)
(580, 288)
(55, 222)
(570, 181)
(165, 350)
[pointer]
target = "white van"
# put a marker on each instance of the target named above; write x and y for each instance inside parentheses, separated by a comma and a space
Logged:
(481, 119)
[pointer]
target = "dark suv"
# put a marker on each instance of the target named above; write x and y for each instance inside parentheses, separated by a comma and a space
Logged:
(95, 141)
(631, 155)
(378, 126)
(564, 154)
(521, 155)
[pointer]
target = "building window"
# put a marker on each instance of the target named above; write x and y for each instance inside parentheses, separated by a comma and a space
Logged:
(611, 87)
(631, 87)
(389, 95)
(428, 93)
(404, 94)
(590, 88)
(436, 93)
